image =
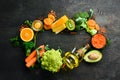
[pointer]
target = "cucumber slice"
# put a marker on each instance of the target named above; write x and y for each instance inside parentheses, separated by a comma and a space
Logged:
(70, 24)
(93, 56)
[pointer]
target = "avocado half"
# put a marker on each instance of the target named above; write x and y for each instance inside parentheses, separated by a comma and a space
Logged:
(93, 56)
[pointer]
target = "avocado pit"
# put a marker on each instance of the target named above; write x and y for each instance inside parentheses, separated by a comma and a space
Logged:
(93, 56)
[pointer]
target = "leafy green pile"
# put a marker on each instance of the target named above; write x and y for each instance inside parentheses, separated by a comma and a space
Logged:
(51, 60)
(81, 18)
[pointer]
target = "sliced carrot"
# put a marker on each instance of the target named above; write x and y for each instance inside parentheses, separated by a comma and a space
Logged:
(93, 25)
(51, 17)
(97, 27)
(31, 62)
(47, 27)
(91, 22)
(48, 21)
(98, 41)
(33, 54)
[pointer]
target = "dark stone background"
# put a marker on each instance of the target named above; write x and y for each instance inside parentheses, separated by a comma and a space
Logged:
(14, 12)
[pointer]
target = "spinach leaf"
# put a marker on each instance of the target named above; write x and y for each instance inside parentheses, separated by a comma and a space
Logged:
(28, 47)
(84, 15)
(28, 22)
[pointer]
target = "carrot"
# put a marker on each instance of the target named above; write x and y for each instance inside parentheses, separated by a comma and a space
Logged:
(98, 41)
(31, 62)
(51, 17)
(33, 54)
(97, 27)
(48, 21)
(31, 59)
(92, 24)
(47, 27)
(42, 50)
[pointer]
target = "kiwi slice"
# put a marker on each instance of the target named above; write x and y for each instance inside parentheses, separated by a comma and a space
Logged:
(70, 24)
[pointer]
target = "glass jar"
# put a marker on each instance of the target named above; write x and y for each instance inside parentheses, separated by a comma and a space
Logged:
(72, 59)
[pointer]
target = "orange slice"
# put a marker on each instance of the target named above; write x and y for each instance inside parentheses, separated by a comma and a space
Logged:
(26, 34)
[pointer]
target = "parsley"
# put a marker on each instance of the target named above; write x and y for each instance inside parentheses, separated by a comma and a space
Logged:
(47, 47)
(28, 22)
(28, 46)
(15, 41)
(42, 30)
(108, 41)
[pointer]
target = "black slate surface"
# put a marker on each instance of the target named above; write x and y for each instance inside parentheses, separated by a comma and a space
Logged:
(14, 12)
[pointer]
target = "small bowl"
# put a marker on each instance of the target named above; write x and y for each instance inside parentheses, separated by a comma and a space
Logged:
(37, 25)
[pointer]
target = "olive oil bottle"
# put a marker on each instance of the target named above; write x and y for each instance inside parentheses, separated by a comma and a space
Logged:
(72, 59)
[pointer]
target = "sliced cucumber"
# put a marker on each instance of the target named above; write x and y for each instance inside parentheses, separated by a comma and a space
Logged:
(70, 24)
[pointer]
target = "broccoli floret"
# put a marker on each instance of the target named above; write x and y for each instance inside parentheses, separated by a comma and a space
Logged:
(51, 60)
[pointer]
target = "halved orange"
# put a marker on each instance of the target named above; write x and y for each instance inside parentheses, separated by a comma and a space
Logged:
(26, 34)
